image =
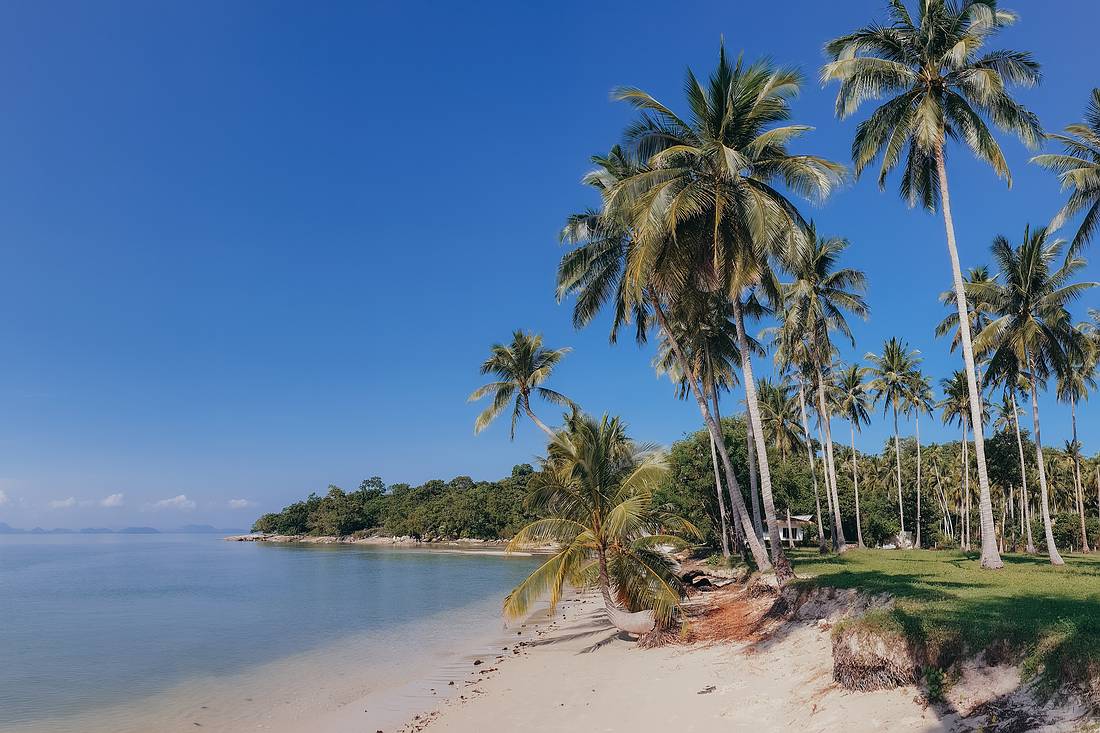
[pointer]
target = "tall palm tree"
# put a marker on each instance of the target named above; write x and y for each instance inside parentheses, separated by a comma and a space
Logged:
(521, 368)
(1076, 376)
(956, 408)
(1033, 331)
(707, 338)
(779, 411)
(892, 380)
(595, 491)
(919, 401)
(854, 404)
(1009, 418)
(607, 264)
(1078, 168)
(707, 212)
(814, 305)
(942, 84)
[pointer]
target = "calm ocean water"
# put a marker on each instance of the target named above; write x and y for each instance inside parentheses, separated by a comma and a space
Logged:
(98, 631)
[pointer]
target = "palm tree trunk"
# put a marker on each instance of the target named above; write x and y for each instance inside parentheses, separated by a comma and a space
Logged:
(897, 456)
(721, 500)
(779, 558)
(823, 409)
(739, 529)
(1077, 485)
(965, 519)
(530, 414)
(1044, 504)
(754, 481)
(855, 485)
(991, 559)
(828, 492)
(756, 547)
(1023, 474)
(916, 416)
(821, 546)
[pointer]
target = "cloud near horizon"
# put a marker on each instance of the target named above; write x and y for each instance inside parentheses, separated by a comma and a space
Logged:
(3, 498)
(111, 501)
(240, 503)
(67, 503)
(176, 502)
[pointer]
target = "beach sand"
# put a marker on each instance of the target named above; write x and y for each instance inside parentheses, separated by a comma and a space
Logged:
(574, 672)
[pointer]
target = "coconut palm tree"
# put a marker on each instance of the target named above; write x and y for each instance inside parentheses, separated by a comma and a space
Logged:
(814, 305)
(892, 380)
(521, 368)
(942, 83)
(854, 404)
(956, 408)
(1078, 168)
(1033, 328)
(919, 401)
(706, 212)
(707, 338)
(607, 264)
(779, 411)
(595, 492)
(1076, 376)
(1009, 418)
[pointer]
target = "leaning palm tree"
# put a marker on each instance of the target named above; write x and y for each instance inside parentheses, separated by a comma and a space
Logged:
(707, 211)
(1033, 332)
(707, 338)
(1078, 167)
(943, 84)
(919, 401)
(854, 404)
(521, 368)
(595, 491)
(608, 263)
(814, 306)
(891, 382)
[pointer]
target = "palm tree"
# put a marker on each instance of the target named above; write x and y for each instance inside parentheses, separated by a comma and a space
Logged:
(521, 368)
(1078, 168)
(595, 491)
(814, 306)
(1076, 376)
(608, 264)
(1033, 329)
(779, 411)
(854, 405)
(706, 212)
(1009, 417)
(919, 400)
(942, 84)
(707, 338)
(956, 407)
(892, 381)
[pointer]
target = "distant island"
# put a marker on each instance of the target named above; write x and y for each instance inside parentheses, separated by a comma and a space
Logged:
(186, 529)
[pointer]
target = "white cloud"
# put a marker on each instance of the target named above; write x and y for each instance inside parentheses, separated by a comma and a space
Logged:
(111, 501)
(176, 502)
(240, 503)
(63, 503)
(3, 498)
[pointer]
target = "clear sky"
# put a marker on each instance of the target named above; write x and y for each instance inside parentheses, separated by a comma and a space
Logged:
(253, 248)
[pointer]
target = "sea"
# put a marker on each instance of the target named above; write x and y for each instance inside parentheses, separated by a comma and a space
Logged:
(144, 633)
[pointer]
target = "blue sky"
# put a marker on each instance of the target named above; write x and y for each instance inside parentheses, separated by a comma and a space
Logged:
(251, 249)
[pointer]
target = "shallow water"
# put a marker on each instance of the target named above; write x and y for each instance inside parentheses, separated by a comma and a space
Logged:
(161, 632)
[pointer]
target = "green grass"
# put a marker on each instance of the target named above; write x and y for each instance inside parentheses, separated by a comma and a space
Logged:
(1045, 617)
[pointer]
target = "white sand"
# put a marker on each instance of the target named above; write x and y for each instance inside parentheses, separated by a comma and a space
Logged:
(783, 684)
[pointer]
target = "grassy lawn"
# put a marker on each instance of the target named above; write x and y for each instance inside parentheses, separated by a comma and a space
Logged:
(1046, 617)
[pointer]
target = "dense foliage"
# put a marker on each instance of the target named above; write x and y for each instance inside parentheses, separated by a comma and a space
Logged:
(459, 508)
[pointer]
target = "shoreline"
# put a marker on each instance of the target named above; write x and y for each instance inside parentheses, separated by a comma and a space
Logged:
(457, 546)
